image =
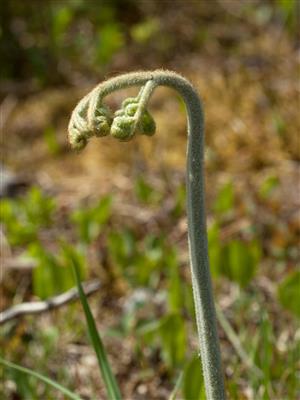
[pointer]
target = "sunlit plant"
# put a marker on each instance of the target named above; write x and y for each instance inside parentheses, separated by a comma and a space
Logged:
(92, 117)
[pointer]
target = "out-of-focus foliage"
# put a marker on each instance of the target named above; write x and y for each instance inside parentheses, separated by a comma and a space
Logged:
(288, 292)
(46, 42)
(24, 217)
(131, 232)
(64, 41)
(193, 385)
(146, 261)
(90, 220)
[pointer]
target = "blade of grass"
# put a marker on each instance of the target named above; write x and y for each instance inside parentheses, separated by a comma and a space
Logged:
(176, 387)
(107, 375)
(41, 377)
(235, 341)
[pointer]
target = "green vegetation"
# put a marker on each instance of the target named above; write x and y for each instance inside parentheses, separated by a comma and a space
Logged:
(120, 209)
(150, 262)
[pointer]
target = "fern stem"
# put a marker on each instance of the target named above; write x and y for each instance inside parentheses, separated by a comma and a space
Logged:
(201, 280)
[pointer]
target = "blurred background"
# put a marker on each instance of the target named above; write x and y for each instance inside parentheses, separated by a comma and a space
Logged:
(121, 206)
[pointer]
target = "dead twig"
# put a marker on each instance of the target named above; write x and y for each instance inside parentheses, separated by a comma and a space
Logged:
(38, 307)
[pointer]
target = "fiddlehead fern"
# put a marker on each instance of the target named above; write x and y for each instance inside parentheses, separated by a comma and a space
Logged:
(134, 118)
(80, 131)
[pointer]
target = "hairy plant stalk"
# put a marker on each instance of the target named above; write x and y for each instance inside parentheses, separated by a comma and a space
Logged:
(84, 124)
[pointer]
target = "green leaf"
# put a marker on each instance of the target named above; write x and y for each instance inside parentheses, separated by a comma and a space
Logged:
(52, 274)
(90, 220)
(37, 375)
(290, 11)
(288, 292)
(110, 40)
(214, 248)
(189, 300)
(22, 217)
(225, 199)
(18, 229)
(107, 375)
(144, 192)
(7, 213)
(173, 339)
(175, 290)
(44, 284)
(240, 261)
(148, 260)
(19, 233)
(193, 385)
(170, 334)
(60, 22)
(180, 201)
(145, 30)
(51, 141)
(102, 211)
(121, 247)
(38, 207)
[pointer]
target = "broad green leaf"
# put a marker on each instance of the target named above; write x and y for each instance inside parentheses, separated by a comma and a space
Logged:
(60, 22)
(180, 201)
(214, 249)
(240, 261)
(287, 7)
(6, 211)
(148, 260)
(102, 210)
(193, 385)
(52, 274)
(51, 141)
(189, 301)
(90, 220)
(143, 191)
(175, 290)
(290, 13)
(22, 217)
(225, 199)
(288, 292)
(173, 339)
(169, 333)
(19, 233)
(121, 247)
(143, 31)
(110, 39)
(44, 283)
(38, 207)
